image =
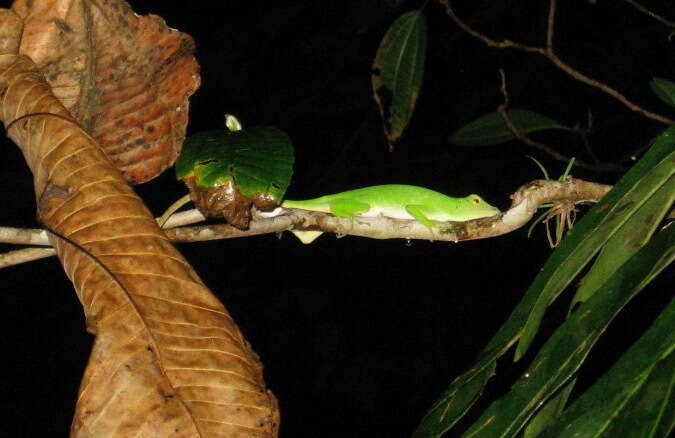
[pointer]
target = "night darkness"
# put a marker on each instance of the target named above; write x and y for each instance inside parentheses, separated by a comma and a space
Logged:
(359, 337)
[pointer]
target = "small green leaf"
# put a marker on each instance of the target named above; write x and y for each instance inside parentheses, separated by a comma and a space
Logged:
(541, 166)
(664, 90)
(566, 173)
(491, 128)
(641, 380)
(228, 171)
(260, 160)
(232, 123)
(397, 72)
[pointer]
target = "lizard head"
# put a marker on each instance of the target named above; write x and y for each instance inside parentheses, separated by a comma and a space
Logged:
(477, 207)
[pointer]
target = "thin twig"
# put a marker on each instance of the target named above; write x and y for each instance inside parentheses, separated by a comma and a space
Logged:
(503, 110)
(549, 53)
(646, 11)
(24, 255)
(186, 217)
(550, 26)
(38, 236)
(24, 236)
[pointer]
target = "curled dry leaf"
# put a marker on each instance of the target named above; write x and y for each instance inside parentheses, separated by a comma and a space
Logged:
(168, 360)
(126, 78)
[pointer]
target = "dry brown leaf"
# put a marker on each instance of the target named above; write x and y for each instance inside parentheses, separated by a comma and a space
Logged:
(126, 78)
(168, 360)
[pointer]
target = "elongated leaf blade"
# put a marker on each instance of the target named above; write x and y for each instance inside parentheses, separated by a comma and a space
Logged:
(631, 379)
(491, 128)
(644, 415)
(397, 72)
(627, 240)
(455, 402)
(563, 354)
(664, 90)
(596, 228)
(449, 409)
(550, 411)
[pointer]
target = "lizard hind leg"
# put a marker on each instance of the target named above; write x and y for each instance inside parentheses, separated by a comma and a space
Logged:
(348, 208)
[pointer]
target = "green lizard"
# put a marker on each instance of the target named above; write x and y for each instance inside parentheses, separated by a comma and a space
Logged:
(396, 201)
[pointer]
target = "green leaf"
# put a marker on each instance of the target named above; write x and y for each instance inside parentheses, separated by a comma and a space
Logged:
(644, 414)
(452, 406)
(664, 90)
(564, 264)
(627, 240)
(595, 229)
(397, 72)
(259, 160)
(228, 172)
(232, 123)
(563, 354)
(541, 166)
(639, 384)
(491, 128)
(550, 411)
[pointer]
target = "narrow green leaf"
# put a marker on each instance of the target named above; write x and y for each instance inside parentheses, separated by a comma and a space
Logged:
(614, 394)
(563, 354)
(566, 173)
(455, 402)
(398, 70)
(491, 128)
(596, 227)
(664, 90)
(627, 239)
(550, 411)
(541, 166)
(667, 425)
(643, 415)
(449, 409)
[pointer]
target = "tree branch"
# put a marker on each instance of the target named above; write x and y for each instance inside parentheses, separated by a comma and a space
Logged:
(646, 11)
(24, 255)
(525, 202)
(503, 110)
(549, 53)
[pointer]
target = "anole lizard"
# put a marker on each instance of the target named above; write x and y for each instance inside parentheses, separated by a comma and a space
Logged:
(396, 201)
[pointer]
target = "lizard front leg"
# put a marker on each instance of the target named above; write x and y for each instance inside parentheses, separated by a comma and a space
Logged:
(348, 208)
(417, 211)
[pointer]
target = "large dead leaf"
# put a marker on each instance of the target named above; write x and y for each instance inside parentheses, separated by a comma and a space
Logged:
(126, 78)
(168, 360)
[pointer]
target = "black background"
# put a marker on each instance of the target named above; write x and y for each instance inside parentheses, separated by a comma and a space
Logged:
(359, 337)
